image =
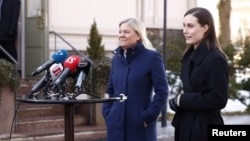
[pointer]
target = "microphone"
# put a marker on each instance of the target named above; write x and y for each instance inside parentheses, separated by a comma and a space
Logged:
(70, 66)
(55, 71)
(37, 86)
(83, 67)
(57, 57)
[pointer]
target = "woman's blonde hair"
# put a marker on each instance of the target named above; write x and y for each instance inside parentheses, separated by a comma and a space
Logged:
(140, 29)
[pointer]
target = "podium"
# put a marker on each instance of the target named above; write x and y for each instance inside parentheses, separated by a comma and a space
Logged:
(69, 109)
(52, 88)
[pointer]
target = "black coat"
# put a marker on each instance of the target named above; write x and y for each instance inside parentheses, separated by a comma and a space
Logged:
(204, 75)
(9, 19)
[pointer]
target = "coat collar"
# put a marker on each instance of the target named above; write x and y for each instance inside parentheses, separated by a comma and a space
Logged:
(198, 54)
(130, 51)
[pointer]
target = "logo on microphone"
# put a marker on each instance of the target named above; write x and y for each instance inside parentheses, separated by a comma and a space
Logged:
(56, 70)
(71, 59)
(60, 53)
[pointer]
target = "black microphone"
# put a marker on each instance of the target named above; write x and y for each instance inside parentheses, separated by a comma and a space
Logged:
(83, 67)
(57, 57)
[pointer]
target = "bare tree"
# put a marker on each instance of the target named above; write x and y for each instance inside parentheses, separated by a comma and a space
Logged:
(224, 8)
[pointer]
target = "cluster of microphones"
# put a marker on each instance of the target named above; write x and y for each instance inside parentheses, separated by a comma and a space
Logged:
(53, 84)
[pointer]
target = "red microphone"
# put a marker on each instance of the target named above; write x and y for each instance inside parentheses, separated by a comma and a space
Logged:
(70, 66)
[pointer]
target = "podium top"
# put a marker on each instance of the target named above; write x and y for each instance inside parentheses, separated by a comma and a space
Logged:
(26, 99)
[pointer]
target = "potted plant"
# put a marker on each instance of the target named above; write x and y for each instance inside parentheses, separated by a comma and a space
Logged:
(9, 82)
(8, 75)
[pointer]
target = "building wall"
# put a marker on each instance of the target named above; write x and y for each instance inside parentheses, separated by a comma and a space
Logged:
(73, 19)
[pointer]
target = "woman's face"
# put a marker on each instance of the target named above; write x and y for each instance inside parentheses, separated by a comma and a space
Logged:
(193, 31)
(127, 36)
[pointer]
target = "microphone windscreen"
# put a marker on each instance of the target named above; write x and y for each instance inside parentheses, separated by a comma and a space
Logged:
(60, 55)
(84, 65)
(55, 70)
(72, 62)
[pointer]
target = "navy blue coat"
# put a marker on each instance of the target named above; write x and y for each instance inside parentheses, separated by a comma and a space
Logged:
(204, 75)
(137, 75)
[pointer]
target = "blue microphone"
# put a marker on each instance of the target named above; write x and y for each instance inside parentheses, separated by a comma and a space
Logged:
(57, 57)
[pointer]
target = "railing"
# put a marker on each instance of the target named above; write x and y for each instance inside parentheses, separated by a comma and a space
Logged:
(73, 48)
(12, 59)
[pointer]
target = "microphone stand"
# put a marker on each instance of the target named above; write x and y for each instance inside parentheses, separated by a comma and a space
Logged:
(47, 84)
(49, 92)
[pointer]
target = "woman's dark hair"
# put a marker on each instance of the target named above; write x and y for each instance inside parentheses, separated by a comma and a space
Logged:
(204, 17)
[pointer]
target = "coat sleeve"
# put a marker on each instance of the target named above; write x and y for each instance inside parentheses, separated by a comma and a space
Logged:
(215, 94)
(160, 88)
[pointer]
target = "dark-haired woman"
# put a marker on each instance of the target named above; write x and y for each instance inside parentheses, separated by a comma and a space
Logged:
(204, 76)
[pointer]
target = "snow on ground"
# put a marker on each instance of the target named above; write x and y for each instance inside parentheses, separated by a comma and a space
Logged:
(232, 105)
(235, 105)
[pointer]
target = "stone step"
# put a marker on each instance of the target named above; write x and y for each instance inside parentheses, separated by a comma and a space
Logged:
(49, 122)
(81, 133)
(27, 112)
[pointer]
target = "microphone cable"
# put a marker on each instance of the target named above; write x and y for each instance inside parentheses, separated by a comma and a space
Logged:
(13, 120)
